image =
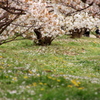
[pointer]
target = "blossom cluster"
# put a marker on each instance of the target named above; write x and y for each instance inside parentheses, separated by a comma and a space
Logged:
(81, 20)
(37, 17)
(50, 16)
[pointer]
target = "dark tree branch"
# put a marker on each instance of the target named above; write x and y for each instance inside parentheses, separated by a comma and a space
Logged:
(69, 14)
(9, 40)
(8, 23)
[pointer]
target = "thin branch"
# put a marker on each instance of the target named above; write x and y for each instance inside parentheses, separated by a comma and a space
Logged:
(8, 23)
(77, 10)
(13, 10)
(9, 40)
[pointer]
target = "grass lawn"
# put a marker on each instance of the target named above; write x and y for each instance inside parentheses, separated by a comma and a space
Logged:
(68, 69)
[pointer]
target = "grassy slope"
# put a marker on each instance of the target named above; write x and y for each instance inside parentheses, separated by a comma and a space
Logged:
(69, 69)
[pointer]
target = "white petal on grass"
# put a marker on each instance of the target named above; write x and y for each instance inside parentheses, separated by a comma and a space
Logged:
(13, 92)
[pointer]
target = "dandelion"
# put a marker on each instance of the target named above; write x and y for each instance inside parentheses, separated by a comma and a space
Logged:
(1, 67)
(81, 88)
(14, 79)
(49, 77)
(75, 83)
(45, 83)
(2, 63)
(25, 77)
(1, 57)
(79, 82)
(54, 70)
(53, 79)
(69, 86)
(42, 89)
(71, 71)
(8, 65)
(30, 72)
(58, 80)
(61, 73)
(38, 75)
(6, 76)
(34, 84)
(41, 83)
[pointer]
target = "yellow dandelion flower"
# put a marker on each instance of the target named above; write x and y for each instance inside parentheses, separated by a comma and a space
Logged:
(81, 88)
(61, 73)
(14, 78)
(0, 56)
(65, 76)
(6, 76)
(12, 81)
(38, 75)
(53, 79)
(41, 83)
(2, 63)
(34, 84)
(25, 77)
(49, 77)
(88, 76)
(42, 89)
(71, 71)
(30, 72)
(1, 67)
(69, 86)
(9, 65)
(58, 80)
(74, 82)
(79, 82)
(64, 61)
(54, 70)
(45, 83)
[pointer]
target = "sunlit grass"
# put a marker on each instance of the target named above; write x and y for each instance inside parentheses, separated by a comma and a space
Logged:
(69, 69)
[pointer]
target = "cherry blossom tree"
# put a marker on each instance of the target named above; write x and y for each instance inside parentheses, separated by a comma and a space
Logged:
(10, 10)
(78, 16)
(43, 20)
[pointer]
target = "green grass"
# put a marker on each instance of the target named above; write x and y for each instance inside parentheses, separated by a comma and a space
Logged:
(69, 69)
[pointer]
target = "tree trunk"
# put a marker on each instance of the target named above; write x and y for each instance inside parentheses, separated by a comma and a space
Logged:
(43, 41)
(77, 33)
